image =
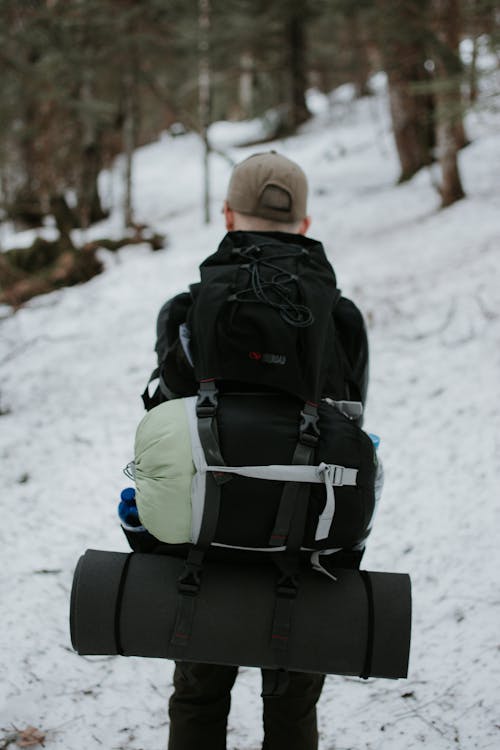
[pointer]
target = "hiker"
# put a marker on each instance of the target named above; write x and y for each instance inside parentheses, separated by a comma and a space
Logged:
(266, 196)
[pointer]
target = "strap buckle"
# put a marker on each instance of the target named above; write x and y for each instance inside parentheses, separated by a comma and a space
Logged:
(206, 405)
(309, 427)
(338, 476)
(189, 581)
(332, 474)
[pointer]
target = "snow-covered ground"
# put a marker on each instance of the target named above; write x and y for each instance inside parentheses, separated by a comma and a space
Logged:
(74, 362)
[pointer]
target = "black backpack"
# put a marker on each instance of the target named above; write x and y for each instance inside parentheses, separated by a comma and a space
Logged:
(266, 357)
(269, 370)
(262, 322)
(263, 314)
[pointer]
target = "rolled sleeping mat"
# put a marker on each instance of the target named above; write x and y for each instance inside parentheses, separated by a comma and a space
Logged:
(126, 604)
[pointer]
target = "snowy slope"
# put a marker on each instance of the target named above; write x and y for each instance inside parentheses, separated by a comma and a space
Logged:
(73, 364)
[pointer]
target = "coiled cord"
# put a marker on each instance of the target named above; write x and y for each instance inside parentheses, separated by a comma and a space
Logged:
(276, 292)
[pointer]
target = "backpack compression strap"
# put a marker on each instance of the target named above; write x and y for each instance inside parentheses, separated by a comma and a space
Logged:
(294, 493)
(331, 475)
(188, 584)
(290, 525)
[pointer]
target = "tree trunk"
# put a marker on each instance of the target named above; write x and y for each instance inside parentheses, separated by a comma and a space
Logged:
(26, 206)
(360, 60)
(90, 209)
(412, 125)
(245, 86)
(64, 218)
(472, 16)
(451, 189)
(129, 141)
(450, 132)
(89, 203)
(402, 46)
(299, 112)
(473, 88)
(204, 96)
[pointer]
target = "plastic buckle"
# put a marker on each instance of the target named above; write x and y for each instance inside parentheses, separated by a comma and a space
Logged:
(338, 476)
(206, 405)
(189, 581)
(309, 430)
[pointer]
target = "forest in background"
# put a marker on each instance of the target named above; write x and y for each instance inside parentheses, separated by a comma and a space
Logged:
(86, 80)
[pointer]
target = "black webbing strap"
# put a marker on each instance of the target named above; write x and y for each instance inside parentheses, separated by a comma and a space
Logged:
(189, 582)
(289, 530)
(188, 586)
(291, 495)
(367, 666)
(295, 493)
(210, 515)
(210, 444)
(206, 410)
(288, 581)
(147, 400)
(286, 594)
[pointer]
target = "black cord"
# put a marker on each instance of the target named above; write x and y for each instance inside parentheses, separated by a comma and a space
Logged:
(280, 286)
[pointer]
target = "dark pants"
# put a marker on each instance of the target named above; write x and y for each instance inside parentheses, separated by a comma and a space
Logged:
(200, 704)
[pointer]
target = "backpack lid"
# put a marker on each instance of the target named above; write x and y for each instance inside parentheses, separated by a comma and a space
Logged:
(263, 312)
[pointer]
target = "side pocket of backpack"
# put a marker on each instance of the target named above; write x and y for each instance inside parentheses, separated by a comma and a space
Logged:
(344, 444)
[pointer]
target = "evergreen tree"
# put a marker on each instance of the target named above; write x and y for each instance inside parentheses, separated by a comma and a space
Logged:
(403, 39)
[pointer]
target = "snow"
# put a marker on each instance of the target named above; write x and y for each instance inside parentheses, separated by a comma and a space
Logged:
(74, 362)
(226, 134)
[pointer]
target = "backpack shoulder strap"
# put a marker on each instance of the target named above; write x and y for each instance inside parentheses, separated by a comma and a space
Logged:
(352, 338)
(174, 369)
(150, 400)
(173, 313)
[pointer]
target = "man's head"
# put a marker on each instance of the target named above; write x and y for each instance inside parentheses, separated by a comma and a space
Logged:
(267, 192)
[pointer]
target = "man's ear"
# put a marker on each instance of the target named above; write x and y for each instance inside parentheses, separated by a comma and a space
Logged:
(304, 225)
(228, 216)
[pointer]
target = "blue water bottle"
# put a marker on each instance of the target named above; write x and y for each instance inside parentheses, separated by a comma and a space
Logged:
(379, 476)
(127, 511)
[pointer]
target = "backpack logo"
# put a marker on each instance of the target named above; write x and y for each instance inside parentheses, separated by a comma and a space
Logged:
(269, 359)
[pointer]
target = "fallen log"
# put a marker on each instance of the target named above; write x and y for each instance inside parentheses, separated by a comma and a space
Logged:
(48, 265)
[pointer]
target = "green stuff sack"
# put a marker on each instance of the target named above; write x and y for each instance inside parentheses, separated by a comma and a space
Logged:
(164, 471)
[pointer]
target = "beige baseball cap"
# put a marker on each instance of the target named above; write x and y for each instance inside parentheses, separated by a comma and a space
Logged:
(270, 186)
